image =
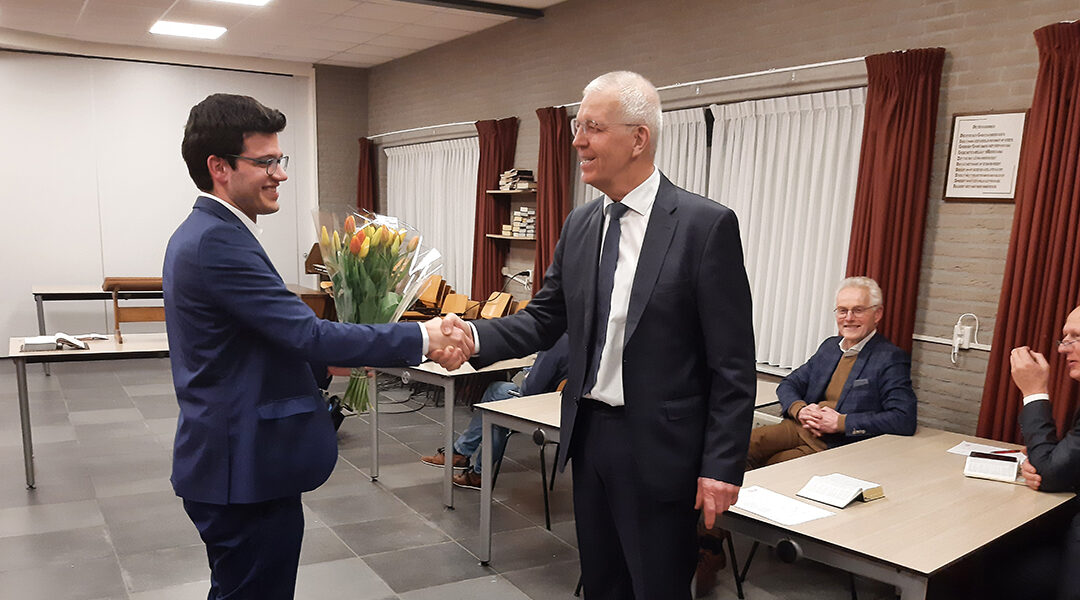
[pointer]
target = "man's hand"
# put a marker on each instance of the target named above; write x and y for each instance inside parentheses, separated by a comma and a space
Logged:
(829, 421)
(1031, 477)
(1030, 372)
(450, 341)
(713, 498)
(810, 417)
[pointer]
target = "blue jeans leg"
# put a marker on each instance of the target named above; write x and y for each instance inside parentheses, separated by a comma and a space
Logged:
(468, 443)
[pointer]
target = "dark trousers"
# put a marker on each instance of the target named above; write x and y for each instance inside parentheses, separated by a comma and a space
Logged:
(631, 545)
(254, 549)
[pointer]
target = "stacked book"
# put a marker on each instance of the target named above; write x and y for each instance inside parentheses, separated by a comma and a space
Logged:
(517, 179)
(522, 223)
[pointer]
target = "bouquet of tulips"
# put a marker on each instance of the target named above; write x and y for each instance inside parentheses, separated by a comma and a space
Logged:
(377, 266)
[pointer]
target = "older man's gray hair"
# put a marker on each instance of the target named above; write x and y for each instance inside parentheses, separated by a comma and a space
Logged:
(638, 99)
(872, 288)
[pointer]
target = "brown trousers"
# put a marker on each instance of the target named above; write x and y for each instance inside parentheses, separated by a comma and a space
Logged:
(784, 441)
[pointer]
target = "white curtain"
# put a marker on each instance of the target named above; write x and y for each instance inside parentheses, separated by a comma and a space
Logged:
(683, 149)
(787, 167)
(433, 188)
(682, 155)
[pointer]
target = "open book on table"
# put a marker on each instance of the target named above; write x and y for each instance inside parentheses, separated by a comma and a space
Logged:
(839, 490)
(999, 466)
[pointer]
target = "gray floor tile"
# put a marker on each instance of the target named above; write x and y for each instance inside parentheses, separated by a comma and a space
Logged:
(157, 407)
(350, 578)
(154, 533)
(492, 587)
(150, 389)
(166, 567)
(554, 580)
(28, 520)
(323, 545)
(196, 590)
(417, 568)
(339, 510)
(85, 580)
(383, 535)
(408, 474)
(66, 546)
(108, 415)
(523, 549)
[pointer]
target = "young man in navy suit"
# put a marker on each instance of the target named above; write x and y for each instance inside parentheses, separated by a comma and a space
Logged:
(649, 283)
(253, 431)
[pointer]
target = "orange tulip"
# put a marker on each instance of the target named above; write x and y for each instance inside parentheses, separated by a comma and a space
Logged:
(354, 245)
(350, 224)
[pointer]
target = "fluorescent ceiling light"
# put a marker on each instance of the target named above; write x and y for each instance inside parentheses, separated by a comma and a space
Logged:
(247, 2)
(203, 32)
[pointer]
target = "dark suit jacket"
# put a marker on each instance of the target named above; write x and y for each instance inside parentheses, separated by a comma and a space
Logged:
(252, 423)
(877, 397)
(688, 360)
(548, 370)
(1058, 462)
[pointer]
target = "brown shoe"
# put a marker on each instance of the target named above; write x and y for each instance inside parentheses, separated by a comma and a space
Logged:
(439, 459)
(468, 479)
(708, 567)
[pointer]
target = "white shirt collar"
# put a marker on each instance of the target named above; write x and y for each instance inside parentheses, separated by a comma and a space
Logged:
(252, 227)
(857, 348)
(641, 198)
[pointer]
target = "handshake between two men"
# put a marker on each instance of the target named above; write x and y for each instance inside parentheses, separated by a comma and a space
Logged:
(450, 341)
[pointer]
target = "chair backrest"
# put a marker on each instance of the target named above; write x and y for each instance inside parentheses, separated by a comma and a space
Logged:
(455, 303)
(497, 305)
(132, 314)
(433, 293)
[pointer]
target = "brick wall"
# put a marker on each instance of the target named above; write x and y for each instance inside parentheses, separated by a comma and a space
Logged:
(990, 64)
(341, 118)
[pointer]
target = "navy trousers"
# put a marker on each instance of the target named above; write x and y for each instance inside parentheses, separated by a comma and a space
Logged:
(631, 545)
(253, 549)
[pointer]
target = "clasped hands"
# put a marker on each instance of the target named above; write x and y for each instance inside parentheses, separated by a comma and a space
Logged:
(819, 420)
(450, 341)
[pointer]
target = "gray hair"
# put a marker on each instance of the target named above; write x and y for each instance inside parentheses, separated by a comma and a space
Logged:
(638, 99)
(872, 288)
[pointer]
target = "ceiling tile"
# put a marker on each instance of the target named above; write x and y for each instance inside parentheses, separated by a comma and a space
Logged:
(400, 41)
(364, 25)
(401, 12)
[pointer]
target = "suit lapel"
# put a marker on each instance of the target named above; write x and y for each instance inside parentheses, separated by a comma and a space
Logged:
(591, 256)
(658, 236)
(861, 360)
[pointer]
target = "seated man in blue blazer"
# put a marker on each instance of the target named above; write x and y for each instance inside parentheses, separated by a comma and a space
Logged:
(1053, 465)
(857, 385)
(253, 431)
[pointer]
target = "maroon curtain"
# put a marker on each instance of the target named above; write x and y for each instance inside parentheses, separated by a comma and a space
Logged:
(553, 179)
(367, 176)
(1041, 283)
(894, 180)
(498, 141)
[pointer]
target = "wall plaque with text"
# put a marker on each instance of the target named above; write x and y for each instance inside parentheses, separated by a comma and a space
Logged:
(984, 156)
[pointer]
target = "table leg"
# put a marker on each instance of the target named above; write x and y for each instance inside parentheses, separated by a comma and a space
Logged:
(24, 418)
(448, 442)
(373, 411)
(486, 483)
(41, 326)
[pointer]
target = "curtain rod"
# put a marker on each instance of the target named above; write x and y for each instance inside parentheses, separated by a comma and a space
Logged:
(830, 63)
(379, 135)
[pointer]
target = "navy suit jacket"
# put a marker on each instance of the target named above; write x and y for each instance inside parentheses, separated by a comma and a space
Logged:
(688, 360)
(253, 425)
(877, 397)
(1057, 461)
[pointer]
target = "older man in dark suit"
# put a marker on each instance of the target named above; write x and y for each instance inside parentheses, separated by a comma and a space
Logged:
(253, 431)
(650, 285)
(1053, 464)
(857, 385)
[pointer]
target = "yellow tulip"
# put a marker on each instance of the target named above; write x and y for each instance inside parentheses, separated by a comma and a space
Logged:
(394, 247)
(337, 242)
(369, 231)
(365, 247)
(324, 239)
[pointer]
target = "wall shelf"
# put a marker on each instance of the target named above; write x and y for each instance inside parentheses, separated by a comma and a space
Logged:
(496, 236)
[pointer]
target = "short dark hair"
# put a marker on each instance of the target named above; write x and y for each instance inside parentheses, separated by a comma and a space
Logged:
(217, 126)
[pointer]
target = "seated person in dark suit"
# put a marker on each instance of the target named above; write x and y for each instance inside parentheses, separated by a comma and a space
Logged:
(547, 372)
(1053, 464)
(857, 385)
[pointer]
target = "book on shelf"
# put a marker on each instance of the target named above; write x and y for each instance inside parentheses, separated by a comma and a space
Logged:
(59, 341)
(839, 490)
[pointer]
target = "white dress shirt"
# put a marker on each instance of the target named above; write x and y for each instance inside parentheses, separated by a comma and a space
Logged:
(857, 348)
(609, 380)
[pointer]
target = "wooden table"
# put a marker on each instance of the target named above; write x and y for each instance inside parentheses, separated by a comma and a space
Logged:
(136, 345)
(930, 518)
(431, 373)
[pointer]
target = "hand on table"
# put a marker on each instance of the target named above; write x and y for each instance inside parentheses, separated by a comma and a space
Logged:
(1032, 479)
(450, 341)
(713, 498)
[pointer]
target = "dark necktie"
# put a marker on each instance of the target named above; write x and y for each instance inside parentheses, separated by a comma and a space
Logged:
(605, 283)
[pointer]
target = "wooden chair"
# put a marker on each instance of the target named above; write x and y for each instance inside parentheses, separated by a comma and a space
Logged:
(133, 314)
(429, 302)
(497, 305)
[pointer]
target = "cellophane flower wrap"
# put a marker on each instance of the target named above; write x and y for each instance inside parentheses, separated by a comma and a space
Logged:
(377, 266)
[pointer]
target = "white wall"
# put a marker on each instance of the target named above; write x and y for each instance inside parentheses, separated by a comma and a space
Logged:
(93, 183)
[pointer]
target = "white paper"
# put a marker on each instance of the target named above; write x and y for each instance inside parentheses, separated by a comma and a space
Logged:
(965, 448)
(777, 507)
